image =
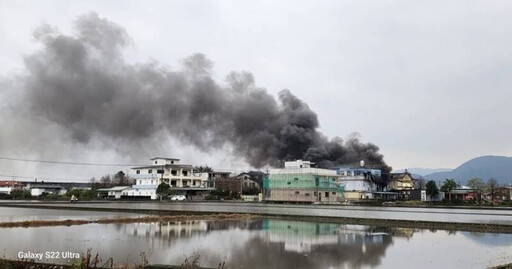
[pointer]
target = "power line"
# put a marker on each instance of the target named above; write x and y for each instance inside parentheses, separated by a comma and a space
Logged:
(66, 163)
(104, 164)
(40, 177)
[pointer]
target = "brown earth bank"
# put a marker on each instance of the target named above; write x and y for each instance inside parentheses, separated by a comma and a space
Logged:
(157, 218)
(20, 264)
(505, 266)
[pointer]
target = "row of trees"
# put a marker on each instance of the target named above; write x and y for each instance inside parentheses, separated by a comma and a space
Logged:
(490, 187)
(107, 181)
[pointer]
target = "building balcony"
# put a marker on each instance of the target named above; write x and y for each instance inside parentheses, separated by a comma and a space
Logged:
(145, 176)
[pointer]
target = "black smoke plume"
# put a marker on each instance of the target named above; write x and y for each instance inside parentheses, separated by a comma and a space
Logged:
(83, 83)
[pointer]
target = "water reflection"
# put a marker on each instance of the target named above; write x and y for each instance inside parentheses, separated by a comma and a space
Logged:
(267, 243)
(285, 242)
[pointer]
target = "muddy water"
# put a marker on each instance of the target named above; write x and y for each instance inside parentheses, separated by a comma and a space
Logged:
(11, 214)
(267, 243)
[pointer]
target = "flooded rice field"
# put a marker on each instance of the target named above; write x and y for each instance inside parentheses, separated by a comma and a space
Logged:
(12, 214)
(454, 215)
(258, 243)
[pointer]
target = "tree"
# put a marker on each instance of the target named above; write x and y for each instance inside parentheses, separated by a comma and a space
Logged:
(478, 185)
(432, 190)
(448, 186)
(106, 181)
(94, 183)
(163, 189)
(492, 187)
(120, 179)
(203, 169)
(419, 183)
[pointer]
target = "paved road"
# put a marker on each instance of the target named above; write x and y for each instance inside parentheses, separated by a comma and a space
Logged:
(456, 215)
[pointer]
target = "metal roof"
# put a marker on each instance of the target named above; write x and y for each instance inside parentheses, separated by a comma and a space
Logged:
(192, 188)
(143, 186)
(163, 165)
(165, 158)
(117, 188)
(41, 186)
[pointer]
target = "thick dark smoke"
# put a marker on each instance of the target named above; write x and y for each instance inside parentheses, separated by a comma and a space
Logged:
(82, 83)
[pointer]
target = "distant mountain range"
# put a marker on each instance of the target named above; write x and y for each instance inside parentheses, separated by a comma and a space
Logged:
(423, 171)
(484, 167)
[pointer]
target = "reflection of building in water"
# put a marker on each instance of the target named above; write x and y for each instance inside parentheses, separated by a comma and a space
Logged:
(247, 224)
(299, 236)
(171, 229)
(403, 232)
(176, 229)
(302, 237)
(282, 243)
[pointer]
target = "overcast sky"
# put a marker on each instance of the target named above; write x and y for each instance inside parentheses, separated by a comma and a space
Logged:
(429, 82)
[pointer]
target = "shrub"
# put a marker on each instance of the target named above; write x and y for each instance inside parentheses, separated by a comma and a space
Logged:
(457, 202)
(87, 194)
(20, 194)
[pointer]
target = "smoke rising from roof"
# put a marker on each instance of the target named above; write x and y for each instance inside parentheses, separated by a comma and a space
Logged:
(82, 83)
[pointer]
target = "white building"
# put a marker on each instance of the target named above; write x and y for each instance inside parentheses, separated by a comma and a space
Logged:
(47, 189)
(5, 190)
(180, 177)
(114, 192)
(359, 183)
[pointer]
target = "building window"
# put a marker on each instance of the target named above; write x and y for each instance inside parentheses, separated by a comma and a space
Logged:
(326, 194)
(172, 162)
(150, 171)
(185, 173)
(289, 183)
(161, 171)
(297, 192)
(155, 162)
(296, 178)
(333, 193)
(174, 172)
(306, 194)
(137, 172)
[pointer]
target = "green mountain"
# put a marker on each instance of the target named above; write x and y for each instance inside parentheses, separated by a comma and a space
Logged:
(484, 167)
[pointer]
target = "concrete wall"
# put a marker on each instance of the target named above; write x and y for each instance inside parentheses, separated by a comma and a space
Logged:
(140, 192)
(301, 195)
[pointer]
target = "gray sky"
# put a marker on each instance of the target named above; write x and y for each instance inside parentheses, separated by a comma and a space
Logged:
(427, 81)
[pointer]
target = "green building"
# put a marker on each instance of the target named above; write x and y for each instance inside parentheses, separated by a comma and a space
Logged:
(298, 182)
